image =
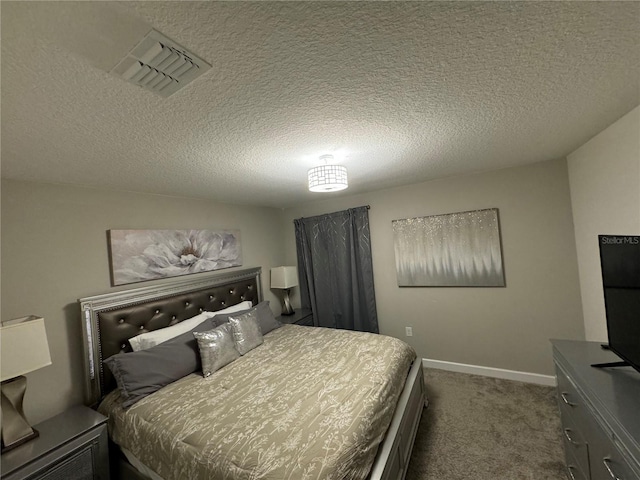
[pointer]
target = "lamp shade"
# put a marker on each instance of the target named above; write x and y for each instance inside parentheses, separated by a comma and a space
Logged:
(24, 347)
(328, 178)
(284, 277)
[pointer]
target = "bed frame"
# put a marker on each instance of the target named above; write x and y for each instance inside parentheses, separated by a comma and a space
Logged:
(110, 320)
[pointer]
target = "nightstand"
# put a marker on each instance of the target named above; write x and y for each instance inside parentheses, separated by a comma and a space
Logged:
(301, 316)
(71, 446)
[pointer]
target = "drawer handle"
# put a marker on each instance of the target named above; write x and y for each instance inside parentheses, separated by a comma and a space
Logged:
(564, 395)
(567, 433)
(607, 465)
(571, 469)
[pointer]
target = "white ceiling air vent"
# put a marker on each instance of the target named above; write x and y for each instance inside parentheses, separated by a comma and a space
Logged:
(160, 65)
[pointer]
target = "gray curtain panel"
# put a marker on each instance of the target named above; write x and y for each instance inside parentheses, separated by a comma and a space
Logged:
(335, 269)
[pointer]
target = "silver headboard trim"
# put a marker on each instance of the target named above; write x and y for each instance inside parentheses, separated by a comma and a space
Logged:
(89, 341)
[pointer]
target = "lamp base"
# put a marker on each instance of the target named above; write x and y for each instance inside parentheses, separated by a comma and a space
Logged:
(22, 441)
(287, 309)
(15, 428)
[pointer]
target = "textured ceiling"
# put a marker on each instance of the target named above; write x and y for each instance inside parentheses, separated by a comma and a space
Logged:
(399, 92)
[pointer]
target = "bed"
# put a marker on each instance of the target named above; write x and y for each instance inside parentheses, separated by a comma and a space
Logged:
(336, 414)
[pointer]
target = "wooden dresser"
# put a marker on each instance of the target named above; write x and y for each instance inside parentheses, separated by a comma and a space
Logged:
(600, 412)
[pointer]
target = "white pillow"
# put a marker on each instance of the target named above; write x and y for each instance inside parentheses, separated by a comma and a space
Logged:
(151, 339)
(234, 308)
(147, 340)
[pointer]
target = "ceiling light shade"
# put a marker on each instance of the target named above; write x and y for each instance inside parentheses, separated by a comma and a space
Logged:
(328, 178)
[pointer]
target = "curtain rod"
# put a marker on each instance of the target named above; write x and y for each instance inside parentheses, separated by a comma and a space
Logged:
(368, 207)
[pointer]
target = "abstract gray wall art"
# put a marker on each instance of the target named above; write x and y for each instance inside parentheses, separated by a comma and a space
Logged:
(452, 250)
(139, 255)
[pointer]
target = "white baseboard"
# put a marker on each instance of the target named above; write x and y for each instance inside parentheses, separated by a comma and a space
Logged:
(526, 377)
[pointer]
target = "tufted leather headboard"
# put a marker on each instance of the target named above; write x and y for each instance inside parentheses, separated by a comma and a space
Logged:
(110, 320)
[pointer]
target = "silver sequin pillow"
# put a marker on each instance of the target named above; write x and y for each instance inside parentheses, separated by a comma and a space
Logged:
(217, 348)
(246, 331)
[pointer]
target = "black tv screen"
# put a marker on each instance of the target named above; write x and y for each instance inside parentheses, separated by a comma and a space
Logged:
(620, 262)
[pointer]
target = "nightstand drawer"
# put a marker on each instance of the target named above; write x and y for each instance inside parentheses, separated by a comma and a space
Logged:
(78, 466)
(71, 446)
(301, 316)
(306, 321)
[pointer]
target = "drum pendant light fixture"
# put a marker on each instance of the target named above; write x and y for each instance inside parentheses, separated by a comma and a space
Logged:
(327, 177)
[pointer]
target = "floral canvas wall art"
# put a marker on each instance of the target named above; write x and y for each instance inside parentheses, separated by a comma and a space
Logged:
(139, 255)
(453, 250)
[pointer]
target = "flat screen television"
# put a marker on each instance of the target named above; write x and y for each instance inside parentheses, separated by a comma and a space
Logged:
(620, 262)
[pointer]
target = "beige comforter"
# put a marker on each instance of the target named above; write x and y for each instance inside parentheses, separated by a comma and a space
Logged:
(309, 403)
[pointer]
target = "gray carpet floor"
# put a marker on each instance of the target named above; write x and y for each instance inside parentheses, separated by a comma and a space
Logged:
(484, 428)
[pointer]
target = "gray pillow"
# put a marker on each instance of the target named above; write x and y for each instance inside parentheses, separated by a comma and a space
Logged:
(217, 348)
(266, 319)
(246, 331)
(142, 373)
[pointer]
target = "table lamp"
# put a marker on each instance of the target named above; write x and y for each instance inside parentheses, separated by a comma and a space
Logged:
(285, 278)
(24, 349)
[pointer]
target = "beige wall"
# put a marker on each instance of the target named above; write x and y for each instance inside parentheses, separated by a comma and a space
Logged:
(604, 176)
(54, 251)
(507, 327)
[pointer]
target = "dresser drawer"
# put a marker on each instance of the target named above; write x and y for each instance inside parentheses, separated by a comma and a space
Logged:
(571, 402)
(612, 467)
(599, 413)
(589, 447)
(574, 473)
(576, 447)
(606, 459)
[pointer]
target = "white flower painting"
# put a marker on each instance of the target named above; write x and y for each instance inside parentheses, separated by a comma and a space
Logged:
(139, 255)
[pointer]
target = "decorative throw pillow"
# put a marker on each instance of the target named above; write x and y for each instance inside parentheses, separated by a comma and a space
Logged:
(139, 374)
(266, 319)
(246, 331)
(148, 340)
(217, 348)
(224, 317)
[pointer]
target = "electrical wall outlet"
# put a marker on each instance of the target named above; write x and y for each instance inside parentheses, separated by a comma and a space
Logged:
(408, 331)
